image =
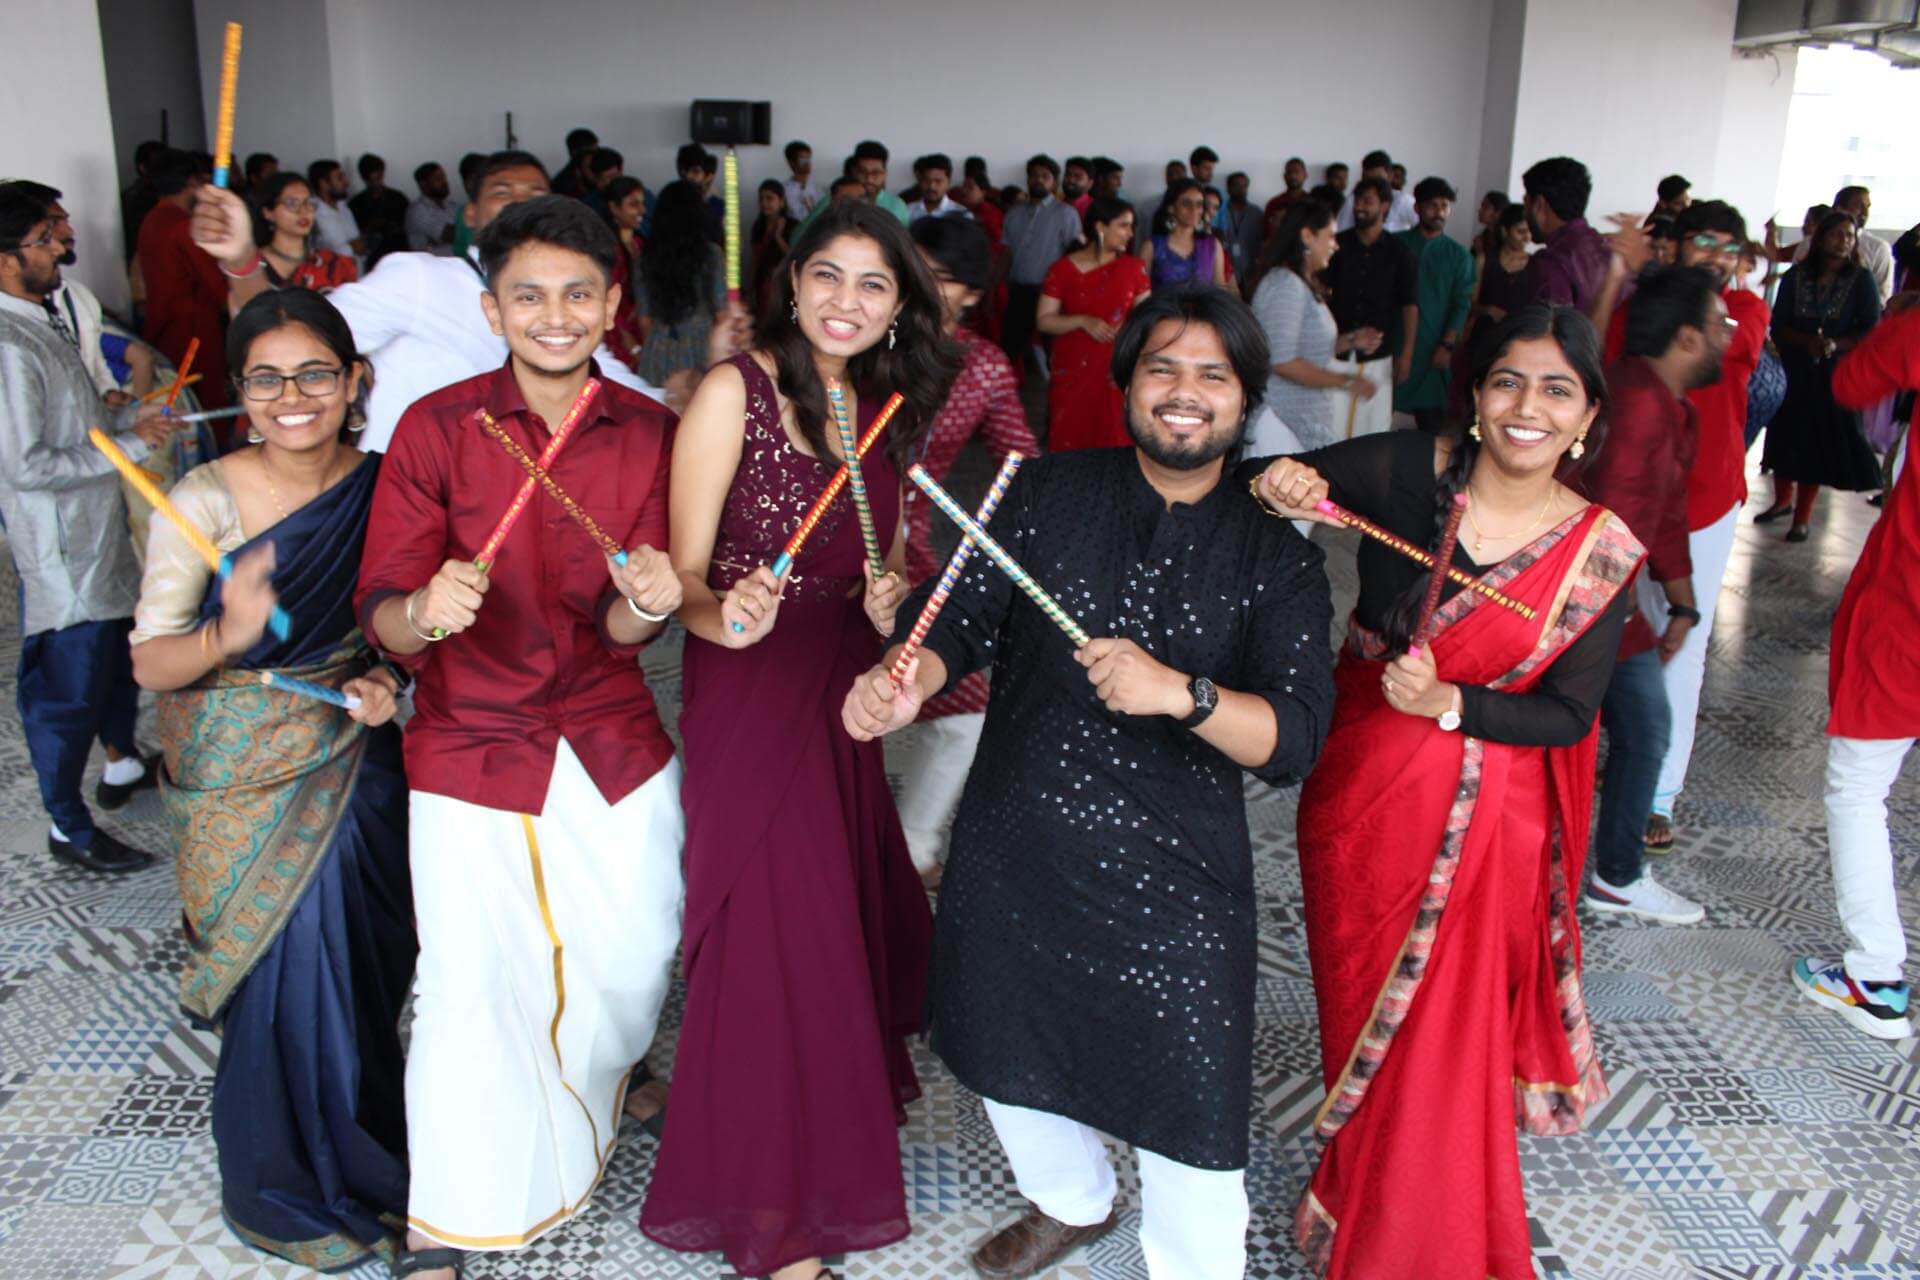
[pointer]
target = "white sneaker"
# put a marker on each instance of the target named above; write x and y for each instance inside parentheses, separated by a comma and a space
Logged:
(1646, 898)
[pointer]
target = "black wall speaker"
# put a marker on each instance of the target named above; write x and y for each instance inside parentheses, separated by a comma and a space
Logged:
(722, 123)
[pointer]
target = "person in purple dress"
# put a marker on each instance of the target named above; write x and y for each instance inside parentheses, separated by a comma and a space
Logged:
(1182, 250)
(807, 930)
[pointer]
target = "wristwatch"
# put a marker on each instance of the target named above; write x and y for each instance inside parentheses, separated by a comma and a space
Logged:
(1205, 699)
(1450, 718)
(1688, 612)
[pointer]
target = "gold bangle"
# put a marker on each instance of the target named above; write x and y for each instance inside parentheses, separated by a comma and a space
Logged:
(414, 626)
(209, 643)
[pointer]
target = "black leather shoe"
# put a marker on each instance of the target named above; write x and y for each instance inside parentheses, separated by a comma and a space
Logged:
(1799, 533)
(102, 853)
(1773, 513)
(111, 796)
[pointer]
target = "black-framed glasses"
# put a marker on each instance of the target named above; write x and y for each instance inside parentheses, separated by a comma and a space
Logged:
(309, 382)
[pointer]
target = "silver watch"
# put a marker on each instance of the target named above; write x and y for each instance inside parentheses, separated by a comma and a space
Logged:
(1450, 718)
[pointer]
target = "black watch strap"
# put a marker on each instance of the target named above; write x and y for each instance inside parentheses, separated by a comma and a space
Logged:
(1205, 699)
(1686, 611)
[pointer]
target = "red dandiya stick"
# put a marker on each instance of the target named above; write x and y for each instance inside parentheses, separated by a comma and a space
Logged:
(554, 491)
(491, 548)
(180, 375)
(942, 589)
(1415, 554)
(1443, 555)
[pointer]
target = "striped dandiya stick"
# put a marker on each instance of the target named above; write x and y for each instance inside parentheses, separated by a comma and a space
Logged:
(223, 129)
(876, 559)
(161, 393)
(490, 550)
(308, 689)
(277, 622)
(554, 491)
(179, 376)
(730, 192)
(784, 561)
(208, 415)
(998, 554)
(955, 563)
(1443, 555)
(1419, 556)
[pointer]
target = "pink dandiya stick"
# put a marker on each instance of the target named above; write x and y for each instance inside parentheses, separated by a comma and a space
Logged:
(491, 548)
(1419, 556)
(1443, 555)
(955, 563)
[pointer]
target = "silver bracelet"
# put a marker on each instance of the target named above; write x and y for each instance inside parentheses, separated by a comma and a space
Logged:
(414, 626)
(642, 614)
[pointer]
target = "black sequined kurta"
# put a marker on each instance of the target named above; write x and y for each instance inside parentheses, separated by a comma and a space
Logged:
(1095, 944)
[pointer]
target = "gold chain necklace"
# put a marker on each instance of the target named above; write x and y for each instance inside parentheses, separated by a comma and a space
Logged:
(273, 491)
(1481, 536)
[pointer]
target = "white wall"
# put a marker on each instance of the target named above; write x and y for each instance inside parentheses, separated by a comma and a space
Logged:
(1753, 123)
(431, 79)
(153, 64)
(60, 132)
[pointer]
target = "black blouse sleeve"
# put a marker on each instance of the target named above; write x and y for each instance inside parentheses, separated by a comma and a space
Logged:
(1359, 473)
(1560, 710)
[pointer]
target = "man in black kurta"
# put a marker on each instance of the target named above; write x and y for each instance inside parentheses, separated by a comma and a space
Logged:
(1095, 946)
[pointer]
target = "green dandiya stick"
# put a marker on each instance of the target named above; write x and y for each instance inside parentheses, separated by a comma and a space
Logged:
(998, 554)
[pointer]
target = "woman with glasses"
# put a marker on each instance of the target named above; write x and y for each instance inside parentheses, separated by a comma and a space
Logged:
(288, 814)
(1182, 250)
(285, 236)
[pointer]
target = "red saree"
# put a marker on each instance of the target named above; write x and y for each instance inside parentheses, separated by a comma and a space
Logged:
(1439, 873)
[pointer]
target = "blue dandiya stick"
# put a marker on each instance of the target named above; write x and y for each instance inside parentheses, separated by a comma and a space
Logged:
(308, 689)
(876, 559)
(222, 564)
(998, 554)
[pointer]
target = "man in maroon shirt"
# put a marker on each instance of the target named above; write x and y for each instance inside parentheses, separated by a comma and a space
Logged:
(186, 294)
(545, 821)
(1570, 270)
(1676, 339)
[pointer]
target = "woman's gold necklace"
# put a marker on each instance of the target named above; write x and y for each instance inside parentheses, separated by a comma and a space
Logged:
(273, 492)
(1481, 536)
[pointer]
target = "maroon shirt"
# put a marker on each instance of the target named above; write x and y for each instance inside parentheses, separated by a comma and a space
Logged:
(537, 665)
(1641, 476)
(1569, 271)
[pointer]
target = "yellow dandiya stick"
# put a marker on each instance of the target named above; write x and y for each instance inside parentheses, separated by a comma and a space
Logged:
(730, 192)
(223, 130)
(998, 554)
(179, 376)
(217, 560)
(1415, 554)
(161, 393)
(951, 575)
(869, 536)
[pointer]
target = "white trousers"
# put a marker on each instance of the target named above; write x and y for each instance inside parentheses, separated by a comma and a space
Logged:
(1710, 549)
(1368, 416)
(1860, 773)
(1193, 1222)
(933, 761)
(545, 949)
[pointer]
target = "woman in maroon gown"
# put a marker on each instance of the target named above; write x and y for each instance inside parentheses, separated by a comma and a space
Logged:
(807, 931)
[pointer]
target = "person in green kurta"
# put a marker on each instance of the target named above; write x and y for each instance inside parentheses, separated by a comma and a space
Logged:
(1445, 294)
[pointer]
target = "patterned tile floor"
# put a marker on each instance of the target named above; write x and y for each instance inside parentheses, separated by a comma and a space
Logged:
(1751, 1135)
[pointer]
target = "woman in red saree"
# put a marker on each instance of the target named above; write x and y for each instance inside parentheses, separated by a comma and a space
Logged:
(1086, 296)
(1443, 833)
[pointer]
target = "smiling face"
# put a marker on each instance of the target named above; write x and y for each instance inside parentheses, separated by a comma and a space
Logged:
(551, 304)
(1115, 236)
(292, 213)
(314, 396)
(847, 296)
(1716, 251)
(502, 188)
(1320, 246)
(1532, 407)
(631, 208)
(1185, 405)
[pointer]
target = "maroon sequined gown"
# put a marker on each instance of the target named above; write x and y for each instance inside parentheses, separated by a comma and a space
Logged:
(807, 931)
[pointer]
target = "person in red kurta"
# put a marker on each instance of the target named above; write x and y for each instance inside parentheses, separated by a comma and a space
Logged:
(1873, 683)
(186, 294)
(1083, 301)
(545, 817)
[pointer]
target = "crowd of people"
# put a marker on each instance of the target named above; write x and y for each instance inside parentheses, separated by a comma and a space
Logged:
(1566, 412)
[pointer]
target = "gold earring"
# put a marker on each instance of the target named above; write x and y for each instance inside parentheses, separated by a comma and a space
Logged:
(1579, 449)
(1474, 430)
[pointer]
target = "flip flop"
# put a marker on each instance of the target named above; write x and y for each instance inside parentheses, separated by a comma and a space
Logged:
(1659, 837)
(655, 1124)
(412, 1261)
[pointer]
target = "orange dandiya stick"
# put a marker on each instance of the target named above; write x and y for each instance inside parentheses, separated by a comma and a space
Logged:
(179, 377)
(1419, 556)
(162, 393)
(223, 129)
(951, 575)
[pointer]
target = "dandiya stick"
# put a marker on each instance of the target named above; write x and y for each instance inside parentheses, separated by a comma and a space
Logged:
(998, 554)
(490, 550)
(876, 560)
(179, 376)
(955, 563)
(221, 564)
(223, 130)
(730, 190)
(208, 415)
(161, 393)
(554, 491)
(784, 561)
(1443, 555)
(1415, 554)
(308, 689)
(1353, 410)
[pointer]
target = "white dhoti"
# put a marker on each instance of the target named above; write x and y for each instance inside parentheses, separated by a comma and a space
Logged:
(545, 952)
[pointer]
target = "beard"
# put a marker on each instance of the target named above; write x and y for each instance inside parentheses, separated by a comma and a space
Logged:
(1710, 369)
(1184, 455)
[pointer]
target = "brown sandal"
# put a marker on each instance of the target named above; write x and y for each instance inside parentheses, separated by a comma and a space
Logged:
(1659, 837)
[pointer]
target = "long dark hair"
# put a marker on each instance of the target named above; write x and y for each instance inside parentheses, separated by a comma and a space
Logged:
(1163, 216)
(1286, 248)
(278, 308)
(760, 227)
(678, 256)
(1815, 254)
(920, 363)
(269, 196)
(1573, 333)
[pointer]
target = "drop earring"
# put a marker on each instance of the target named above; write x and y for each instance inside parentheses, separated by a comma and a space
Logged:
(1474, 430)
(793, 309)
(254, 437)
(1579, 449)
(893, 335)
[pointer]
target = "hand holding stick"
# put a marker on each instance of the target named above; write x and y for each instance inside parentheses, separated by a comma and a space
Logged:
(1442, 558)
(998, 554)
(1415, 554)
